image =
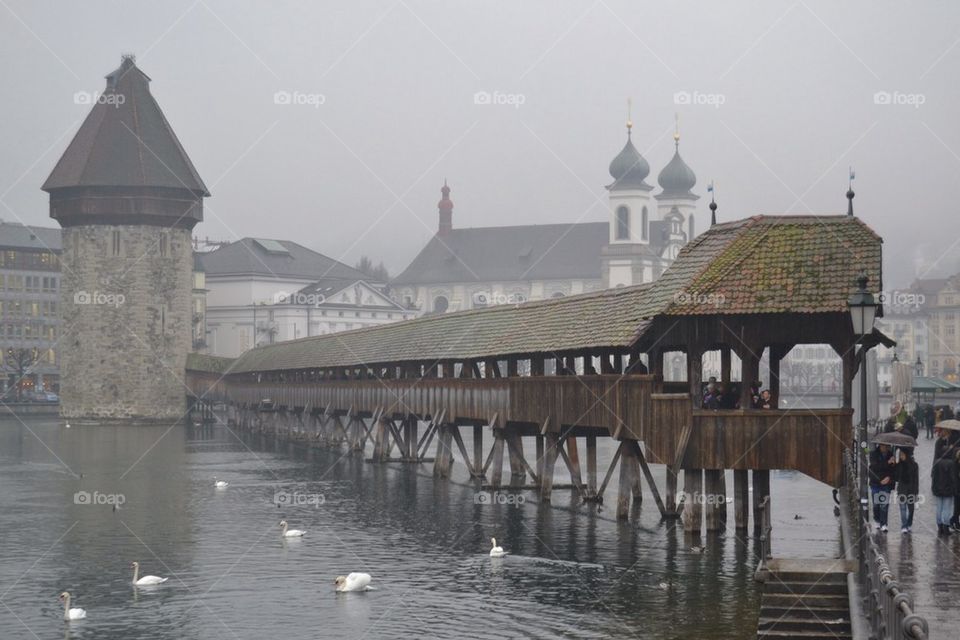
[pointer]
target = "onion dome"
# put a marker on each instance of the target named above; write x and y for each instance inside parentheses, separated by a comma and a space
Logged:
(677, 178)
(629, 168)
(445, 204)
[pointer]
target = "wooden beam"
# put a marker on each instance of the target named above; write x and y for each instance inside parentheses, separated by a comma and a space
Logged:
(741, 497)
(591, 467)
(455, 431)
(693, 501)
(606, 477)
(650, 482)
(627, 463)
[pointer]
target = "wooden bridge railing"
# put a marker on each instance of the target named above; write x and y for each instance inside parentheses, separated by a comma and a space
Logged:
(624, 407)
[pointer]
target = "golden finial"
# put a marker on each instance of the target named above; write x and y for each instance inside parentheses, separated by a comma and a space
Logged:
(629, 117)
(676, 129)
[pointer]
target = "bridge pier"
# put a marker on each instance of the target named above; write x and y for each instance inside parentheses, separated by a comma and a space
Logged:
(693, 501)
(741, 498)
(761, 489)
(715, 502)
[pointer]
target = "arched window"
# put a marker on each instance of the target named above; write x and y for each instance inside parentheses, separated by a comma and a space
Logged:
(623, 223)
(644, 221)
(440, 304)
(558, 294)
(690, 228)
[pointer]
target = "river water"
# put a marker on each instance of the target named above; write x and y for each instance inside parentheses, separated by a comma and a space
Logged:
(572, 572)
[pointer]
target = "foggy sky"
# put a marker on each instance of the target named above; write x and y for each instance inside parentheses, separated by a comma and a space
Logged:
(361, 173)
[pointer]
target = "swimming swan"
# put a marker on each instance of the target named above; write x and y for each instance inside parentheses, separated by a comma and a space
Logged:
(220, 484)
(145, 580)
(71, 614)
(353, 582)
(495, 551)
(291, 533)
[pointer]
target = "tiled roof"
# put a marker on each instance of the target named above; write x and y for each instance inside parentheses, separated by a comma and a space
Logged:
(249, 257)
(125, 141)
(19, 236)
(508, 254)
(764, 264)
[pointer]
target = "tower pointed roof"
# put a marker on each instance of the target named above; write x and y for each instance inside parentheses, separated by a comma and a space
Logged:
(126, 141)
(676, 179)
(628, 168)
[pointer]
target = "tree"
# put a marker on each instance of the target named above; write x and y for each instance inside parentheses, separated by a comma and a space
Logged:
(376, 273)
(19, 361)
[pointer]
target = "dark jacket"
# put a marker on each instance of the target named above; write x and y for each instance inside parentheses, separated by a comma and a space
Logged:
(908, 477)
(881, 468)
(944, 477)
(909, 425)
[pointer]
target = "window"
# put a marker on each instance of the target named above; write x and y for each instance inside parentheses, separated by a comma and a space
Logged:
(623, 223)
(644, 223)
(115, 243)
(690, 228)
(163, 244)
(440, 304)
(557, 294)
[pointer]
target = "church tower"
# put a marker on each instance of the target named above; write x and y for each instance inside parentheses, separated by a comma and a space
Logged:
(676, 203)
(127, 198)
(626, 257)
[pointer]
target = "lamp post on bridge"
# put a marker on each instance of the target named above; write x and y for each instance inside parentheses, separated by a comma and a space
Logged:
(863, 311)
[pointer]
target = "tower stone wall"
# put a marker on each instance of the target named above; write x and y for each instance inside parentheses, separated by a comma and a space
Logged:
(126, 300)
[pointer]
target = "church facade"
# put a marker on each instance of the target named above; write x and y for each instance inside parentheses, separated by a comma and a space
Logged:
(466, 268)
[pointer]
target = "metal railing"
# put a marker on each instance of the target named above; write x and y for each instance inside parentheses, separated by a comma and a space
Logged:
(889, 610)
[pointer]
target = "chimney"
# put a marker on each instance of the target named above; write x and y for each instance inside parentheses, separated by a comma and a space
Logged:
(446, 211)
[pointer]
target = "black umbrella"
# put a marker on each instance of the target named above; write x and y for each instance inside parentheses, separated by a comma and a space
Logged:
(894, 439)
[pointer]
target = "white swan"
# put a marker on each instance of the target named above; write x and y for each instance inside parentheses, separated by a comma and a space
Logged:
(496, 551)
(220, 484)
(145, 580)
(71, 614)
(291, 533)
(353, 582)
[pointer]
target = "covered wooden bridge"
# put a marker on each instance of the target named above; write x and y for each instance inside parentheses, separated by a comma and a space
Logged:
(567, 371)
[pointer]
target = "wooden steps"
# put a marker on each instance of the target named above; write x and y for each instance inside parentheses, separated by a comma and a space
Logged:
(800, 604)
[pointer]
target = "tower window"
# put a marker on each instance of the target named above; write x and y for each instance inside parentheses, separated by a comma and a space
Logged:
(690, 228)
(623, 223)
(644, 223)
(115, 243)
(440, 304)
(163, 243)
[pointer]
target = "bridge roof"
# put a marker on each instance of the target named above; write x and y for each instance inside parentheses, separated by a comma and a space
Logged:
(758, 265)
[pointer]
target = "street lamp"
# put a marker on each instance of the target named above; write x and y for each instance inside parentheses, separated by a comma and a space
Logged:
(918, 367)
(863, 311)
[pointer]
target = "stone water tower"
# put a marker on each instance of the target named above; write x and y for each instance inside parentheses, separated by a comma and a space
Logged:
(127, 197)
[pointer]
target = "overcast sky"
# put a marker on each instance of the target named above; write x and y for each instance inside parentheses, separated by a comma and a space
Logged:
(786, 94)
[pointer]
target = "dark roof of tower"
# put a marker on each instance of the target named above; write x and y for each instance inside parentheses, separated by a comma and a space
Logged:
(677, 179)
(125, 141)
(629, 169)
(526, 252)
(275, 259)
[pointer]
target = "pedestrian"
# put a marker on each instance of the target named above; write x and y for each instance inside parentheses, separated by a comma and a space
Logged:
(929, 419)
(901, 421)
(766, 400)
(943, 481)
(710, 399)
(882, 467)
(908, 487)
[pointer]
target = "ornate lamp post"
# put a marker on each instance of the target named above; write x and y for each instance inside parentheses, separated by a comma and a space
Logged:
(863, 311)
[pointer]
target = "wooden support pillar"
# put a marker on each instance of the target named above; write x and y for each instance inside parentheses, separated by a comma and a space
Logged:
(478, 449)
(576, 478)
(592, 465)
(518, 473)
(777, 353)
(381, 440)
(741, 497)
(628, 464)
(549, 459)
(750, 363)
(848, 359)
(618, 363)
(496, 470)
(512, 367)
(642, 459)
(536, 365)
(670, 492)
(713, 498)
(443, 459)
(539, 451)
(655, 360)
(695, 374)
(693, 501)
(725, 365)
(411, 428)
(761, 489)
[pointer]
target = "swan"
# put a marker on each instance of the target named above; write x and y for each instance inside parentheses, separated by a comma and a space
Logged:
(696, 549)
(292, 533)
(145, 580)
(353, 582)
(495, 551)
(220, 484)
(75, 613)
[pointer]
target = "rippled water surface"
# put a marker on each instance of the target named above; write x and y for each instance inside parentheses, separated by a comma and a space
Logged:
(572, 572)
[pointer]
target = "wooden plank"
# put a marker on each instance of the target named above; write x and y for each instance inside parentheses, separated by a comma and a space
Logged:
(693, 501)
(591, 467)
(626, 480)
(713, 496)
(650, 482)
(550, 459)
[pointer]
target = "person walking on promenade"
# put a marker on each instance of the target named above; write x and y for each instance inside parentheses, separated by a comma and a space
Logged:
(882, 467)
(908, 487)
(943, 481)
(901, 421)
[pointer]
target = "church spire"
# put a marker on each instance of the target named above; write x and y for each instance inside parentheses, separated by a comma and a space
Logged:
(445, 207)
(850, 193)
